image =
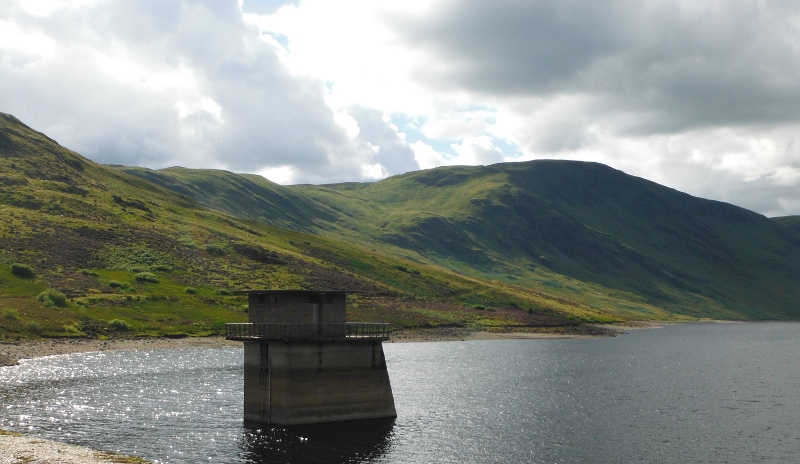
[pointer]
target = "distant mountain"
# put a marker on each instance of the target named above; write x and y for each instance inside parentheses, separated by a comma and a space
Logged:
(241, 195)
(792, 222)
(524, 223)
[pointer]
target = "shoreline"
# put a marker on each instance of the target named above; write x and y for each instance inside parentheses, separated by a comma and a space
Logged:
(13, 352)
(18, 448)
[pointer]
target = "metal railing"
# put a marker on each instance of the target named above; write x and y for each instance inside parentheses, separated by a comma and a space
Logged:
(258, 331)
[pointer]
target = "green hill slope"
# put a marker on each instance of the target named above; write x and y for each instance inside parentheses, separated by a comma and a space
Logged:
(593, 224)
(89, 250)
(241, 195)
(572, 229)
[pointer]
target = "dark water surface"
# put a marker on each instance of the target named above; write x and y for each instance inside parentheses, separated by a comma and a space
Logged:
(684, 393)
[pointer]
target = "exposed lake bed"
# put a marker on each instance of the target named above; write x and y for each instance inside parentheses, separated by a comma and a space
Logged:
(689, 392)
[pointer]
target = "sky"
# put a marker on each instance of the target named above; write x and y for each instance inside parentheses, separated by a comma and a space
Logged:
(702, 96)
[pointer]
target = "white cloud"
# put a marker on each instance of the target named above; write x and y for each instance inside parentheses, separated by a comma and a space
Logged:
(21, 46)
(347, 44)
(426, 156)
(43, 8)
(280, 175)
(476, 151)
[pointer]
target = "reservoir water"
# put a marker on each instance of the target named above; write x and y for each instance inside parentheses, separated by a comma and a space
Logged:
(700, 392)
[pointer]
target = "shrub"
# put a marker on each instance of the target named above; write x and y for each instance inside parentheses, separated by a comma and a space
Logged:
(23, 271)
(191, 290)
(161, 268)
(89, 273)
(146, 277)
(52, 298)
(11, 314)
(34, 327)
(72, 329)
(215, 250)
(224, 291)
(118, 325)
(118, 284)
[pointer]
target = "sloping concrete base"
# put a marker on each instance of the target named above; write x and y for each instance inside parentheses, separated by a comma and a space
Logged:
(309, 382)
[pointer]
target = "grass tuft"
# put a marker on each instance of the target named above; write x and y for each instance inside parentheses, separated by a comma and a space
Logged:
(11, 314)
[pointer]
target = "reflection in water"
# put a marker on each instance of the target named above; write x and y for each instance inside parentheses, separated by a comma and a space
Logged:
(339, 442)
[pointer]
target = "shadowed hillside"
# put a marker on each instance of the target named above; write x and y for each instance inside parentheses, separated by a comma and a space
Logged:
(549, 225)
(242, 195)
(792, 222)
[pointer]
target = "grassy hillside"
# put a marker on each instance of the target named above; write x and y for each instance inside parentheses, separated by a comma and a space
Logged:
(583, 232)
(241, 195)
(593, 224)
(90, 250)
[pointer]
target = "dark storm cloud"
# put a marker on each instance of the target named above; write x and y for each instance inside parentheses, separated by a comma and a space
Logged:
(669, 65)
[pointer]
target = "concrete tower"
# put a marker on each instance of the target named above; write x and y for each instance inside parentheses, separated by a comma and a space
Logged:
(304, 364)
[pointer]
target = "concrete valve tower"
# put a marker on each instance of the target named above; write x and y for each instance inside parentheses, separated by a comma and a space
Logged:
(305, 364)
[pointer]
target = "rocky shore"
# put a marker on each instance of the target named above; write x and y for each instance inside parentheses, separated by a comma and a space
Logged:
(17, 449)
(12, 352)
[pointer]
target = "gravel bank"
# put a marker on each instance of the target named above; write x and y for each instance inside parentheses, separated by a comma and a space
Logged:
(18, 449)
(11, 352)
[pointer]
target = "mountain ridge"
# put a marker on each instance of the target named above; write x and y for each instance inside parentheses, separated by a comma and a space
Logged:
(585, 221)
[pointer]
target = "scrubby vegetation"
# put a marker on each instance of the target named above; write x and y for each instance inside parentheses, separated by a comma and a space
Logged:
(117, 325)
(146, 277)
(52, 298)
(23, 271)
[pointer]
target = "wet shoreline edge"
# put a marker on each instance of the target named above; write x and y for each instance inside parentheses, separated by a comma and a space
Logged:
(11, 352)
